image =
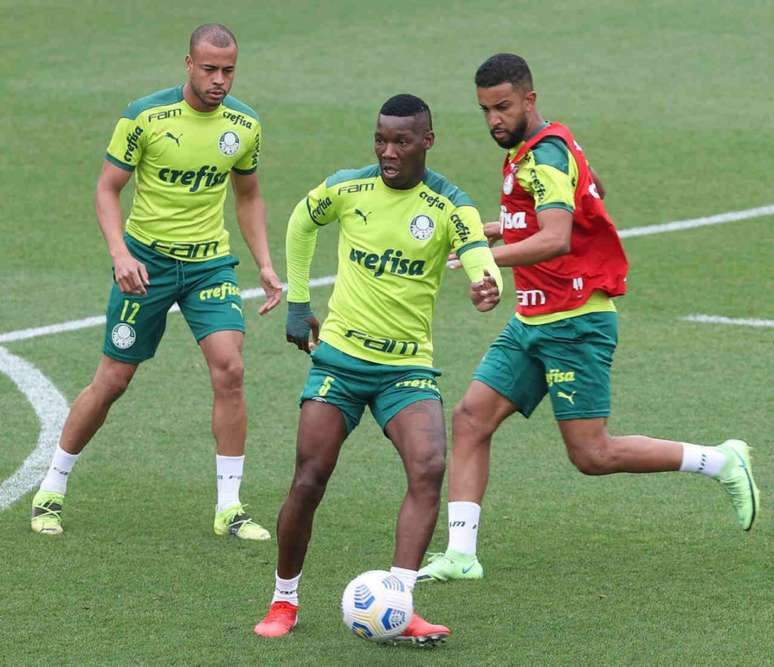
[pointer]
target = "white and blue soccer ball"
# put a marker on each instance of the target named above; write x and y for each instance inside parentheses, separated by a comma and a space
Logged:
(376, 605)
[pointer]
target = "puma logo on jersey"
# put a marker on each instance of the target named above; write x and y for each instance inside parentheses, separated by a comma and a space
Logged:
(169, 135)
(363, 215)
(569, 397)
(390, 261)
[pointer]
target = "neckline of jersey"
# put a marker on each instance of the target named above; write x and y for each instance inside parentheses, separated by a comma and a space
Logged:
(513, 151)
(399, 191)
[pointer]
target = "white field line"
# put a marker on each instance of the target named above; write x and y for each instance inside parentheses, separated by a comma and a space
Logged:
(677, 225)
(719, 319)
(51, 409)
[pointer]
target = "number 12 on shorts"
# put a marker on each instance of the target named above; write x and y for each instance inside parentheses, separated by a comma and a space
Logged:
(131, 308)
(325, 387)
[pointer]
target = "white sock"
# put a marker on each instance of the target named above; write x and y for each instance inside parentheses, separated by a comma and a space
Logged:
(286, 590)
(408, 577)
(705, 460)
(463, 526)
(229, 469)
(61, 466)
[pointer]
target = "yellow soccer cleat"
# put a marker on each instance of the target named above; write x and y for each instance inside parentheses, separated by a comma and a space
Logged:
(737, 479)
(234, 521)
(47, 513)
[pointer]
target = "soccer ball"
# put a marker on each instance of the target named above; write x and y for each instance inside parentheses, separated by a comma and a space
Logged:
(376, 605)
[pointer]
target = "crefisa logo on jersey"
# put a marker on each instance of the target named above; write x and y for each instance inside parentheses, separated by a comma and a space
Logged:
(123, 336)
(422, 227)
(228, 143)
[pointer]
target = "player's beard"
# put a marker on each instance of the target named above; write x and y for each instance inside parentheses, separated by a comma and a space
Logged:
(514, 137)
(203, 97)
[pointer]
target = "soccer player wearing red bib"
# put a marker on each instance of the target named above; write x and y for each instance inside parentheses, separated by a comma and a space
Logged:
(568, 264)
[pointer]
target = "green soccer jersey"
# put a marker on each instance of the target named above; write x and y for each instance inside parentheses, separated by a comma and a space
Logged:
(182, 159)
(393, 247)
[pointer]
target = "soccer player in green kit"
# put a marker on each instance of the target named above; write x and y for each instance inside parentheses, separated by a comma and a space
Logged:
(183, 144)
(567, 263)
(397, 222)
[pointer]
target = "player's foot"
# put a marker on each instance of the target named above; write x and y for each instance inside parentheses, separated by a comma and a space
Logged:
(737, 479)
(281, 619)
(422, 633)
(451, 565)
(234, 521)
(47, 512)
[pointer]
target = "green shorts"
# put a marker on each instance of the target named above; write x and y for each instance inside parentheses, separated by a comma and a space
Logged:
(569, 359)
(350, 384)
(206, 293)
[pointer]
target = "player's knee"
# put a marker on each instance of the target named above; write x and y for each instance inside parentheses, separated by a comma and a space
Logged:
(308, 490)
(228, 375)
(467, 421)
(592, 457)
(110, 387)
(310, 482)
(426, 474)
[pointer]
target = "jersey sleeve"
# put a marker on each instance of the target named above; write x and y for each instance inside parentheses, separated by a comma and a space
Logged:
(249, 162)
(465, 230)
(126, 144)
(311, 213)
(554, 176)
(320, 205)
(469, 243)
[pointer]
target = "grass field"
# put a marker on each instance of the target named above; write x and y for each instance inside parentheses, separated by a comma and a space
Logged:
(672, 103)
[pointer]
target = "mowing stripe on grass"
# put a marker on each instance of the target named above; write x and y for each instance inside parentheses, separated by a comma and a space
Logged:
(51, 409)
(719, 319)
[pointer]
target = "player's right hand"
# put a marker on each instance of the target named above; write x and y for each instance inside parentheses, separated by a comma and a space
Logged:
(484, 294)
(301, 321)
(130, 274)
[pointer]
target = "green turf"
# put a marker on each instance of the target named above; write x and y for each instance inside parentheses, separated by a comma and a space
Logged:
(671, 102)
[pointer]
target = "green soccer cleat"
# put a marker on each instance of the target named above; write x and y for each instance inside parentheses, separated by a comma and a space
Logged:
(47, 512)
(737, 479)
(451, 565)
(234, 521)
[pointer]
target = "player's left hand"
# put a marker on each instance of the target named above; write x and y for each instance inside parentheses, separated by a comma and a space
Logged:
(272, 285)
(453, 262)
(300, 324)
(484, 294)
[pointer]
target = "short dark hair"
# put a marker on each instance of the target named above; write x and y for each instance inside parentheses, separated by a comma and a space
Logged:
(504, 68)
(212, 33)
(406, 105)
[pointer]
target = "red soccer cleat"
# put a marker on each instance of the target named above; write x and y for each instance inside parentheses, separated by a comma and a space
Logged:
(422, 633)
(280, 620)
